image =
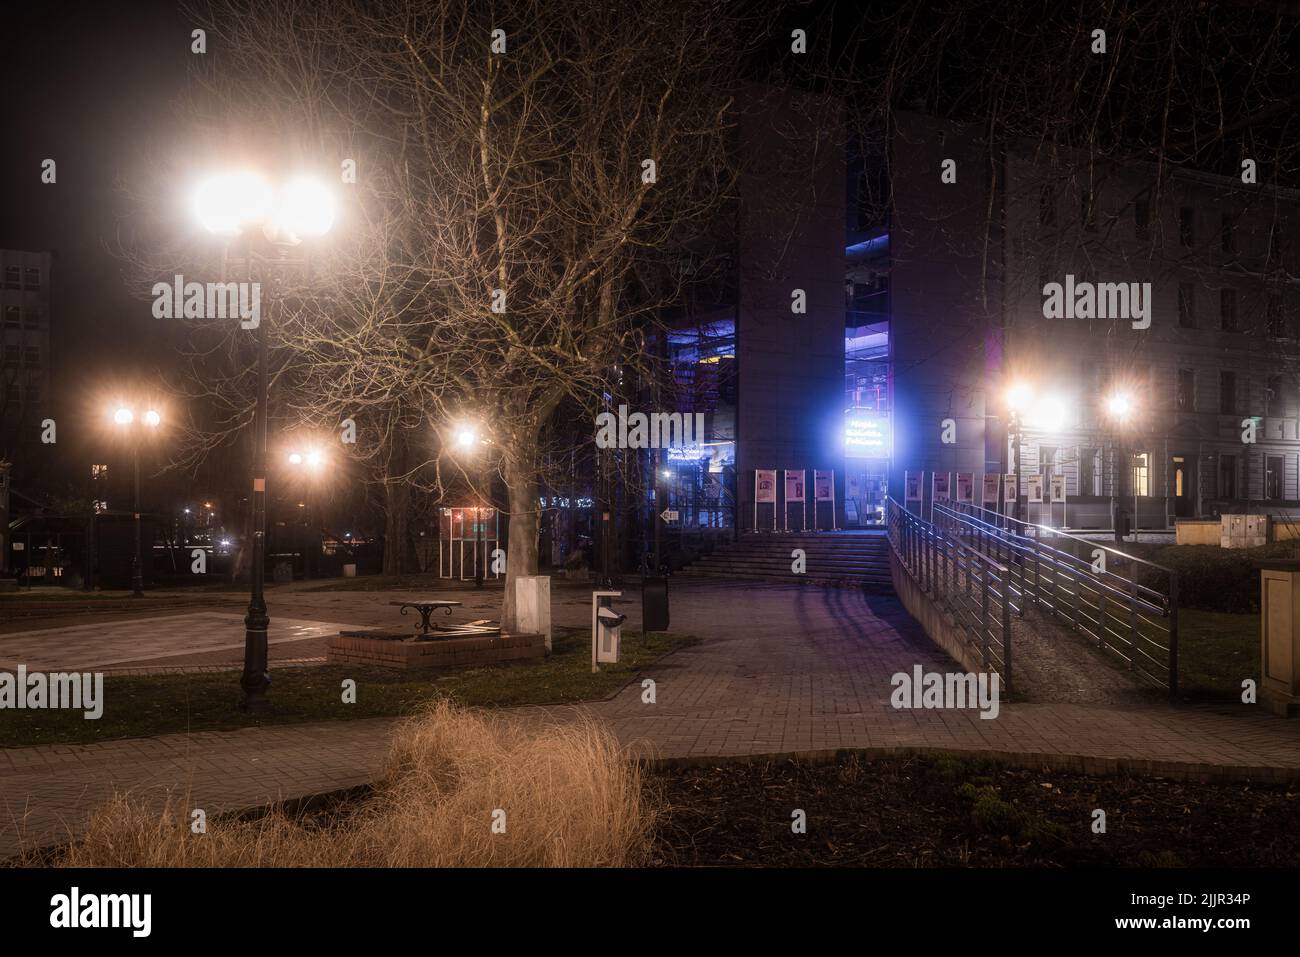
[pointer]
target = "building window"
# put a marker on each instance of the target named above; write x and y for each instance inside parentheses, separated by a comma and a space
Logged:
(1048, 462)
(1227, 476)
(32, 317)
(13, 393)
(1227, 392)
(98, 471)
(1273, 317)
(33, 394)
(1228, 310)
(1089, 210)
(1227, 233)
(1273, 396)
(1089, 471)
(12, 275)
(12, 354)
(1141, 473)
(31, 356)
(1142, 218)
(1046, 205)
(1186, 305)
(1186, 227)
(13, 316)
(1274, 478)
(1185, 396)
(32, 277)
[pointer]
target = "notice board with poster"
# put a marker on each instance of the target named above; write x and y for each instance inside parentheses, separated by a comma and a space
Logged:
(989, 491)
(941, 486)
(765, 493)
(794, 479)
(824, 491)
(965, 486)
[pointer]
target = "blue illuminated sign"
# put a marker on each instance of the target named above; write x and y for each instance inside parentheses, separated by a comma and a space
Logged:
(866, 434)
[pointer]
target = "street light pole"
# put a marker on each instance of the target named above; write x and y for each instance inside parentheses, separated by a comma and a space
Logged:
(137, 572)
(256, 677)
(479, 557)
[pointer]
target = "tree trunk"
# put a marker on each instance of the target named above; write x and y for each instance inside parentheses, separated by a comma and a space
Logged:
(397, 496)
(525, 514)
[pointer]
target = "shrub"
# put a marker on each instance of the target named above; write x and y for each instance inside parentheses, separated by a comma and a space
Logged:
(1212, 578)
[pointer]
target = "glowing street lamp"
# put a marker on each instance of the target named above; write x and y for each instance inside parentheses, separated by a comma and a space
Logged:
(124, 418)
(1120, 409)
(243, 205)
(467, 439)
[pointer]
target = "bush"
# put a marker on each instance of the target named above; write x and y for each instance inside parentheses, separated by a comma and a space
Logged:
(1213, 578)
(570, 796)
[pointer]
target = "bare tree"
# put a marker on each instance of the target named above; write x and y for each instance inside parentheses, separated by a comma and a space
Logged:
(526, 176)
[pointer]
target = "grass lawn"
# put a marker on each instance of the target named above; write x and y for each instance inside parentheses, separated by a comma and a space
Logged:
(1216, 652)
(159, 704)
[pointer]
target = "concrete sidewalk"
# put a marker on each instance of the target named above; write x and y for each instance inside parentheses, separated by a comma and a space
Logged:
(782, 670)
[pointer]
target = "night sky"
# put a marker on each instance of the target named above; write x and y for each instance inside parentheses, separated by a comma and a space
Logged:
(88, 85)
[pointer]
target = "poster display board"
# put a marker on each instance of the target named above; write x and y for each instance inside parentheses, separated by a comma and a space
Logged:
(765, 493)
(989, 492)
(824, 491)
(965, 486)
(794, 479)
(1036, 490)
(912, 486)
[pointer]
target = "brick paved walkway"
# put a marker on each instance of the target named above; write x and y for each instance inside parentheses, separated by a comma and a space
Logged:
(783, 669)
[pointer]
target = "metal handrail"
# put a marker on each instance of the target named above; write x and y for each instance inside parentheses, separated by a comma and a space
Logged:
(974, 588)
(1159, 605)
(1093, 602)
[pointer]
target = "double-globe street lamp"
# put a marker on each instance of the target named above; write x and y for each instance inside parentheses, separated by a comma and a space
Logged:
(126, 420)
(266, 222)
(1027, 410)
(470, 442)
(1120, 410)
(311, 462)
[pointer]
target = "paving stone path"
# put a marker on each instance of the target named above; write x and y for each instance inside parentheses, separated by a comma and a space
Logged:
(782, 670)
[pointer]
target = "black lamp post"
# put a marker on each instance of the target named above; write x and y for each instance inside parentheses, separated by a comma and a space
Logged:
(244, 206)
(125, 418)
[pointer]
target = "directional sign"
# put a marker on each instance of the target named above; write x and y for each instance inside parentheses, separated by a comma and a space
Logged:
(669, 515)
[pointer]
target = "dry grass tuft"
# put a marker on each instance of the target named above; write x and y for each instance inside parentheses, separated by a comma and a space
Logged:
(571, 798)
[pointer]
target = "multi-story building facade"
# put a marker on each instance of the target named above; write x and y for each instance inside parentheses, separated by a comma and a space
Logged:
(1181, 401)
(24, 347)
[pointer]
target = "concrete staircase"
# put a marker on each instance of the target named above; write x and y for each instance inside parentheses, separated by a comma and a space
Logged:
(857, 557)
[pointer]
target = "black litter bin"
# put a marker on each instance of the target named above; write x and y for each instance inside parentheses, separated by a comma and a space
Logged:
(654, 603)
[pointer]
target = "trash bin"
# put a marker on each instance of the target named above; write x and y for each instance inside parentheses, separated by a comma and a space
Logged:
(654, 603)
(606, 628)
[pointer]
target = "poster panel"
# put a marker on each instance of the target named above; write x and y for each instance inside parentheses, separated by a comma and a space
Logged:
(765, 485)
(965, 486)
(941, 490)
(912, 486)
(989, 493)
(794, 485)
(1036, 490)
(1057, 489)
(824, 483)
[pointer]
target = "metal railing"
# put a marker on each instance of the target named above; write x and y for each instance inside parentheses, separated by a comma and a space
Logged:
(971, 586)
(1126, 604)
